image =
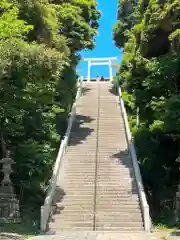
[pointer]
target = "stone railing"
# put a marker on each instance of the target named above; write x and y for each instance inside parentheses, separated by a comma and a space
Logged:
(46, 208)
(141, 192)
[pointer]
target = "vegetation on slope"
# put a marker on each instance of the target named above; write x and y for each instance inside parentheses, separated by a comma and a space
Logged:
(39, 45)
(150, 72)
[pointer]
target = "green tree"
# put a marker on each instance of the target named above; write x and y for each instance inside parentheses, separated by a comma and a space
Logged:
(150, 75)
(10, 25)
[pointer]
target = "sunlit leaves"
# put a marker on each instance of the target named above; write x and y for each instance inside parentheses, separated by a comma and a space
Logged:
(10, 25)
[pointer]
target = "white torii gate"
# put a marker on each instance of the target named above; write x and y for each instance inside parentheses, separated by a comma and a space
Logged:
(100, 61)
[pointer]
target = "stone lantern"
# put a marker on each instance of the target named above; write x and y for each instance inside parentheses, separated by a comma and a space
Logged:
(9, 205)
(177, 199)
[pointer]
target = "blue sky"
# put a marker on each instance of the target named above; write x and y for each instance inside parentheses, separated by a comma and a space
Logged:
(105, 46)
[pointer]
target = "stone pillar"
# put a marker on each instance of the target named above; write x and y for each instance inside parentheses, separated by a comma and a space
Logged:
(177, 205)
(110, 71)
(89, 71)
(9, 205)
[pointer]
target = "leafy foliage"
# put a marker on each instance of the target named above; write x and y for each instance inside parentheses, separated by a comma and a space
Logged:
(150, 78)
(10, 25)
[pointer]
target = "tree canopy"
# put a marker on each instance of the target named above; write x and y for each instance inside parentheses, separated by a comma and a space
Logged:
(150, 72)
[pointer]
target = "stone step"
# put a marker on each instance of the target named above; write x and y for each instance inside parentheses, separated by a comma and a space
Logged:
(101, 188)
(126, 193)
(111, 144)
(101, 166)
(118, 183)
(117, 204)
(102, 196)
(103, 171)
(100, 222)
(100, 203)
(121, 191)
(74, 151)
(125, 220)
(121, 229)
(98, 228)
(75, 160)
(89, 140)
(120, 134)
(119, 167)
(115, 179)
(81, 205)
(58, 225)
(80, 176)
(90, 185)
(99, 217)
(117, 197)
(114, 166)
(81, 163)
(117, 215)
(117, 207)
(84, 146)
(98, 235)
(84, 175)
(83, 172)
(113, 153)
(72, 206)
(120, 223)
(80, 167)
(73, 177)
(82, 154)
(74, 202)
(124, 211)
(74, 218)
(75, 192)
(56, 230)
(104, 212)
(78, 188)
(75, 198)
(128, 208)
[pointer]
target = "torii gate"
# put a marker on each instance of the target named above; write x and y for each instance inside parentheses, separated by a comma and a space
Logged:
(100, 61)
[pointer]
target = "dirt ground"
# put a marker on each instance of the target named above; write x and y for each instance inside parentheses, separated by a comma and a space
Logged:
(166, 235)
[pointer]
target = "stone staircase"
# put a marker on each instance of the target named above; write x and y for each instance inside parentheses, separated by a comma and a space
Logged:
(96, 189)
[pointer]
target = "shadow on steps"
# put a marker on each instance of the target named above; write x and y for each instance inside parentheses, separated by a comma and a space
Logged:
(113, 90)
(85, 91)
(124, 158)
(79, 132)
(58, 197)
